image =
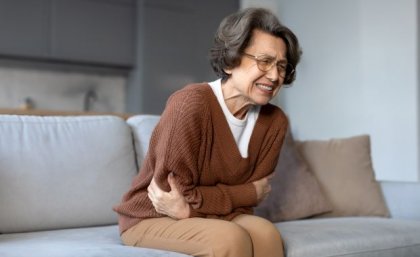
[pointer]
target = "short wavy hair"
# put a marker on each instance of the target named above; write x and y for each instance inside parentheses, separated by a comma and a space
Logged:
(235, 33)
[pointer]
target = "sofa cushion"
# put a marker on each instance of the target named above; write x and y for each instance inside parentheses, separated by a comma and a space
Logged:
(351, 237)
(81, 242)
(142, 127)
(295, 193)
(62, 172)
(344, 170)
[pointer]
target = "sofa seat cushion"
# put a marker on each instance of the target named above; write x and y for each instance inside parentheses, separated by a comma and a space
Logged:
(80, 242)
(351, 237)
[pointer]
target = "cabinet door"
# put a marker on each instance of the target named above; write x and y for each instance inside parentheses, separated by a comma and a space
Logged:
(176, 39)
(94, 31)
(24, 28)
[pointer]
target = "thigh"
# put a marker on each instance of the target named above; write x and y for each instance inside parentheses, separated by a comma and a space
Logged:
(193, 236)
(266, 238)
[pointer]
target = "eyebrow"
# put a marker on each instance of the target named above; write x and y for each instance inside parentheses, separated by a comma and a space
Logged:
(265, 55)
(270, 56)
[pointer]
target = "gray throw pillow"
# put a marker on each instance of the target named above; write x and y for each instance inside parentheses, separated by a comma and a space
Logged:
(295, 193)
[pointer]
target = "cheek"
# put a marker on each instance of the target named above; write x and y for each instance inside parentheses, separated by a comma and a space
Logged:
(247, 76)
(254, 75)
(251, 70)
(276, 92)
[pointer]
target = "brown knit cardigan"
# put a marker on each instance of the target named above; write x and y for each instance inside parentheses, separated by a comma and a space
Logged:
(193, 140)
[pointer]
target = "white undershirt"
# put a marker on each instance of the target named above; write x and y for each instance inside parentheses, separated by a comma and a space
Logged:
(241, 129)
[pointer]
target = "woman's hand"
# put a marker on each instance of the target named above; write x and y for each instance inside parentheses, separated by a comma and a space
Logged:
(172, 203)
(263, 187)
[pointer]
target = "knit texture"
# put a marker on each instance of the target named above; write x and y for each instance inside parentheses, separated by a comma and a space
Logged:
(194, 142)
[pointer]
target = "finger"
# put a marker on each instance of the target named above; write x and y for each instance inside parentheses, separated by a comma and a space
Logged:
(155, 189)
(155, 204)
(153, 194)
(270, 176)
(152, 186)
(172, 183)
(151, 197)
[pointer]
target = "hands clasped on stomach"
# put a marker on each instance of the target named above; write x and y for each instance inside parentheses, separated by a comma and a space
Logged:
(174, 205)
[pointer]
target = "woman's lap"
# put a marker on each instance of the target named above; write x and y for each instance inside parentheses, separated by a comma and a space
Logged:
(204, 237)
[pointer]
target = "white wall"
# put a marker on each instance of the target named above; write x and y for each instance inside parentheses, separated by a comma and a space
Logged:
(358, 75)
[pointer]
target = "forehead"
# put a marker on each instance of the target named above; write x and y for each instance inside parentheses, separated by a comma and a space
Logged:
(264, 43)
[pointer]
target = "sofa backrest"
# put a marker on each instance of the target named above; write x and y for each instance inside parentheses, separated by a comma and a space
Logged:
(62, 172)
(142, 127)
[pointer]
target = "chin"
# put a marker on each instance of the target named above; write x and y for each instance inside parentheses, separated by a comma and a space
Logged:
(262, 101)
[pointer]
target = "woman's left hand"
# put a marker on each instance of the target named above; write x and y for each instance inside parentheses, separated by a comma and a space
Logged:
(263, 187)
(172, 203)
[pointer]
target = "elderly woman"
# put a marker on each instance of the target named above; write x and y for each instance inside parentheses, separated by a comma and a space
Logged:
(214, 149)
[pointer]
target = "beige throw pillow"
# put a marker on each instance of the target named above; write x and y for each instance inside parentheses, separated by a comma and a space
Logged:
(344, 170)
(295, 192)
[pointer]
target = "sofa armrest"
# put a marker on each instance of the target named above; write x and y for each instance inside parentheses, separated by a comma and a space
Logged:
(402, 199)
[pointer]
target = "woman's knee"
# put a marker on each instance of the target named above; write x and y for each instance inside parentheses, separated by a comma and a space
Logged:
(269, 231)
(265, 235)
(232, 240)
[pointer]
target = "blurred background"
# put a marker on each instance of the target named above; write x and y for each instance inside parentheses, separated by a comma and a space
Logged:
(358, 74)
(104, 55)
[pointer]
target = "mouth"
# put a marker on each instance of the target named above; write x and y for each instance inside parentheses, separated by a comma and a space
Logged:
(265, 87)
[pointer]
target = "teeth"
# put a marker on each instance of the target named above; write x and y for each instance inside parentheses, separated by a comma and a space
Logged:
(265, 87)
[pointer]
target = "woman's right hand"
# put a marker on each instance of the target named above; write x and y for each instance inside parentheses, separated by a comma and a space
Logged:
(172, 203)
(263, 187)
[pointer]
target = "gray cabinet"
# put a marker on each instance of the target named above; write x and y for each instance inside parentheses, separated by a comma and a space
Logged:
(89, 30)
(24, 28)
(82, 31)
(176, 37)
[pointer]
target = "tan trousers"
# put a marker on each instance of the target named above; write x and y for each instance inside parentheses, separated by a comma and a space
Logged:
(245, 236)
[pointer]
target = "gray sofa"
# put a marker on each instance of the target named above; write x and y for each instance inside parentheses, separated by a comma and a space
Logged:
(60, 177)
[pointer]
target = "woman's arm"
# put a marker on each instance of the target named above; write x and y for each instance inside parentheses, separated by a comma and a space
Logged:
(173, 203)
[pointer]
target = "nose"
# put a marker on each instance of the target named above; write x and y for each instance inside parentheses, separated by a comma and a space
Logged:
(272, 74)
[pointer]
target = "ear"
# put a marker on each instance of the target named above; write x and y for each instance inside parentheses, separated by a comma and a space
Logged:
(228, 71)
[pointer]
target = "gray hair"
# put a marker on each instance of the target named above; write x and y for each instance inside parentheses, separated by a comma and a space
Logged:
(235, 33)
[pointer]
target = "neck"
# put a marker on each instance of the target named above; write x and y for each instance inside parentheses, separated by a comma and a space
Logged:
(237, 104)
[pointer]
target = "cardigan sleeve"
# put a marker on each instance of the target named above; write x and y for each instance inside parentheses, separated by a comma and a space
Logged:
(273, 141)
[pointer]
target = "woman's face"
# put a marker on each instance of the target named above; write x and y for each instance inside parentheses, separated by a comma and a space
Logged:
(248, 80)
